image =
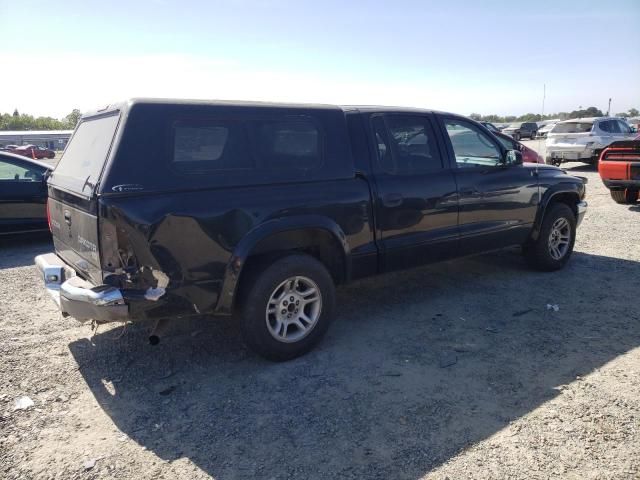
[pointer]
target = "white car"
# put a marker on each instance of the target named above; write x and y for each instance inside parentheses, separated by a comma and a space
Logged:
(544, 131)
(582, 139)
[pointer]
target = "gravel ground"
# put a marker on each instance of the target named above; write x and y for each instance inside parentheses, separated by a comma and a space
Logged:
(457, 370)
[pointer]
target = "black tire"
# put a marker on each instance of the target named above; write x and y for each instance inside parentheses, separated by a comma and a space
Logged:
(538, 253)
(553, 161)
(254, 321)
(625, 197)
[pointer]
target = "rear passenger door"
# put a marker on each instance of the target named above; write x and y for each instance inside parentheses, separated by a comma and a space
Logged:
(497, 203)
(416, 207)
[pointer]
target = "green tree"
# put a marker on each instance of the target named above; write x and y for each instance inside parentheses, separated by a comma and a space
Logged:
(633, 112)
(21, 121)
(73, 118)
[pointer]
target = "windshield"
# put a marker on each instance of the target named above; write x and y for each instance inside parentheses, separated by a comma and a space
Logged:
(572, 127)
(82, 161)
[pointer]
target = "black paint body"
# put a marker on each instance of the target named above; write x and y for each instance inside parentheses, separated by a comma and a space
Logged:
(201, 231)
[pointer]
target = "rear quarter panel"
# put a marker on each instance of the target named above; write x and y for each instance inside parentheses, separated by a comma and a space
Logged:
(191, 237)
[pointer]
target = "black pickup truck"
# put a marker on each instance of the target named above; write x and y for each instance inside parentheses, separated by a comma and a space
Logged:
(161, 209)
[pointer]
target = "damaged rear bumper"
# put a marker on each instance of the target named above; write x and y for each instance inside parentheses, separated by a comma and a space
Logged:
(78, 298)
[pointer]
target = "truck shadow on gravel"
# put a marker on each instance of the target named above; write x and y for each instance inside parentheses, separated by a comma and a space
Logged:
(20, 250)
(418, 366)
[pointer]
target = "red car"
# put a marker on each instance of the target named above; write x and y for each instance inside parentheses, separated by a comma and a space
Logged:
(619, 168)
(33, 151)
(528, 155)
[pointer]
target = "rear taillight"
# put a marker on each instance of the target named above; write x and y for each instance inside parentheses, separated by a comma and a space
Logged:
(48, 216)
(629, 157)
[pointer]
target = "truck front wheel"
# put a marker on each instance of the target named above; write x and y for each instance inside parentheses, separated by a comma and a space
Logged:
(554, 245)
(288, 307)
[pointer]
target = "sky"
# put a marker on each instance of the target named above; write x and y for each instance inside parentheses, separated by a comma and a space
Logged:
(463, 56)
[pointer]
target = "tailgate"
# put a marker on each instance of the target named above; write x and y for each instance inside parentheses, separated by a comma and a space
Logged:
(75, 236)
(73, 197)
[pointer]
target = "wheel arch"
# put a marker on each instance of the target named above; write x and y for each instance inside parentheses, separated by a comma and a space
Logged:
(315, 235)
(567, 194)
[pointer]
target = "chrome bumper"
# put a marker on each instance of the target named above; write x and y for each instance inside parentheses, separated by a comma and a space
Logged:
(78, 298)
(582, 209)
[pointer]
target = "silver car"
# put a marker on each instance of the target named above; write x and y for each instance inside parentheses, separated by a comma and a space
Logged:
(582, 139)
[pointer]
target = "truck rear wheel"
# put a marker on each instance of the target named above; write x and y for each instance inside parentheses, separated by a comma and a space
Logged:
(554, 245)
(627, 196)
(288, 307)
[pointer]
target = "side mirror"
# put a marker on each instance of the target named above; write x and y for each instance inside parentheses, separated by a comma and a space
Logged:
(513, 157)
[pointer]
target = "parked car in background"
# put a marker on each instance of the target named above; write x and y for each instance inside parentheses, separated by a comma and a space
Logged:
(619, 168)
(23, 194)
(583, 139)
(34, 151)
(169, 208)
(491, 127)
(634, 123)
(521, 130)
(544, 130)
(9, 148)
(528, 154)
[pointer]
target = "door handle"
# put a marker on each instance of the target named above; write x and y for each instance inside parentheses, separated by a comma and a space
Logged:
(67, 217)
(391, 200)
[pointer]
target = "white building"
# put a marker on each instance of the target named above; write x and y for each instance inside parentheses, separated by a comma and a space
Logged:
(53, 139)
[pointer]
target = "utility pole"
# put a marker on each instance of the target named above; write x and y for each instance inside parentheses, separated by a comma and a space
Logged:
(609, 109)
(544, 94)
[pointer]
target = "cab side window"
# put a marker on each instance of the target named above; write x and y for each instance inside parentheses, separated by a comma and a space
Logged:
(406, 145)
(471, 146)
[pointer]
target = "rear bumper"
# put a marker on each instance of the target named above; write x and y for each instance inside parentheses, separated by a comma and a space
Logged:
(569, 153)
(78, 298)
(621, 184)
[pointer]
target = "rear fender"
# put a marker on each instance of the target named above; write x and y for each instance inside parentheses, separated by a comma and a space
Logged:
(261, 234)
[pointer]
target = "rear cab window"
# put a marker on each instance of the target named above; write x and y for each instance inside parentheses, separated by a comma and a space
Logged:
(406, 145)
(227, 145)
(82, 162)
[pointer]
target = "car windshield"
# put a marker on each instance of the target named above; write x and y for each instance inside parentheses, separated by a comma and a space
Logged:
(572, 127)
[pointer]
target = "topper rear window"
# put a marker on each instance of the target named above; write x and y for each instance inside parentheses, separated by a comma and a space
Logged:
(81, 164)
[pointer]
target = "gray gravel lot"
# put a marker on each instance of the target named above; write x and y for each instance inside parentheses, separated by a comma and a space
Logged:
(456, 370)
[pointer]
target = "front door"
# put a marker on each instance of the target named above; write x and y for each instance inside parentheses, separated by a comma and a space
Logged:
(416, 206)
(497, 203)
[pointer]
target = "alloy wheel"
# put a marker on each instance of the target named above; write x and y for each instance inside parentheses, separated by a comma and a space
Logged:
(559, 238)
(293, 309)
